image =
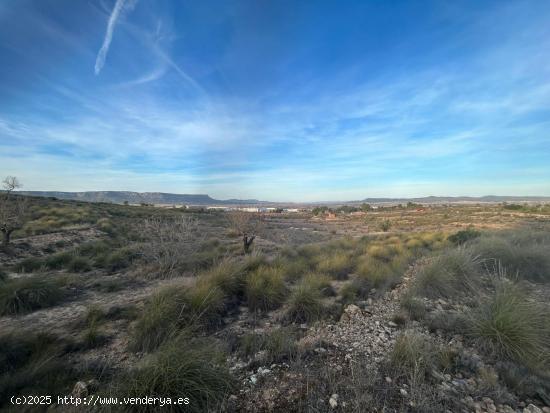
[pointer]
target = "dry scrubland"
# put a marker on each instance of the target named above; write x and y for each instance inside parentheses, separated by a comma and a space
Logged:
(399, 309)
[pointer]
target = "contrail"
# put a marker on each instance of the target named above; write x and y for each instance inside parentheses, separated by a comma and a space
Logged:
(102, 54)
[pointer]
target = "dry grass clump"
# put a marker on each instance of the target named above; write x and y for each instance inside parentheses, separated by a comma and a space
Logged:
(279, 345)
(412, 354)
(25, 294)
(227, 275)
(182, 367)
(173, 308)
(522, 253)
(453, 272)
(511, 326)
(414, 307)
(338, 264)
(305, 303)
(265, 288)
(30, 363)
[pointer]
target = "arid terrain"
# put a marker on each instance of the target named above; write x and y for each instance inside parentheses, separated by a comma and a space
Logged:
(411, 308)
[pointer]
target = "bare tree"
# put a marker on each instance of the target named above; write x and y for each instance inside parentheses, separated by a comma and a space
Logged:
(12, 209)
(169, 241)
(247, 225)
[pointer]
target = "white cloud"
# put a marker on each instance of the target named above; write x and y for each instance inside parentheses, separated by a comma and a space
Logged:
(113, 18)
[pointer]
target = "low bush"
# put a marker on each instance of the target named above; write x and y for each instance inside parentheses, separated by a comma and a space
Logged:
(182, 367)
(415, 307)
(25, 294)
(265, 288)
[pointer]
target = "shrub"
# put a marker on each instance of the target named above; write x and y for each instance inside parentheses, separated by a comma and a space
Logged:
(265, 288)
(20, 295)
(3, 275)
(180, 368)
(463, 236)
(512, 327)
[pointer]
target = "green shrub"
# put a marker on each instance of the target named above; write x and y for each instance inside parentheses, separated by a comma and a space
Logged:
(24, 294)
(265, 288)
(511, 326)
(463, 236)
(182, 367)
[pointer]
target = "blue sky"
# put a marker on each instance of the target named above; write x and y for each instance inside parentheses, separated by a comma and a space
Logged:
(277, 100)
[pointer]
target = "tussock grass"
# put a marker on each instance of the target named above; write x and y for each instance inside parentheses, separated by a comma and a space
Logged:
(511, 326)
(415, 307)
(182, 367)
(31, 264)
(521, 253)
(173, 308)
(412, 354)
(265, 288)
(79, 264)
(463, 236)
(305, 302)
(338, 265)
(227, 275)
(453, 272)
(30, 364)
(280, 344)
(25, 294)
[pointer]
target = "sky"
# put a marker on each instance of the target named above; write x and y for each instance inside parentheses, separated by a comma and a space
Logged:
(277, 100)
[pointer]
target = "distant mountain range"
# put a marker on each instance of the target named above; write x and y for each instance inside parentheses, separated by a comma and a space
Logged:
(162, 198)
(140, 197)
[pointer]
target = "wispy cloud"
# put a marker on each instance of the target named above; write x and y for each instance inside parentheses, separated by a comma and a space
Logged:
(113, 18)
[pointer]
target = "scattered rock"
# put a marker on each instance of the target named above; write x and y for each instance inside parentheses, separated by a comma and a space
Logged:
(333, 401)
